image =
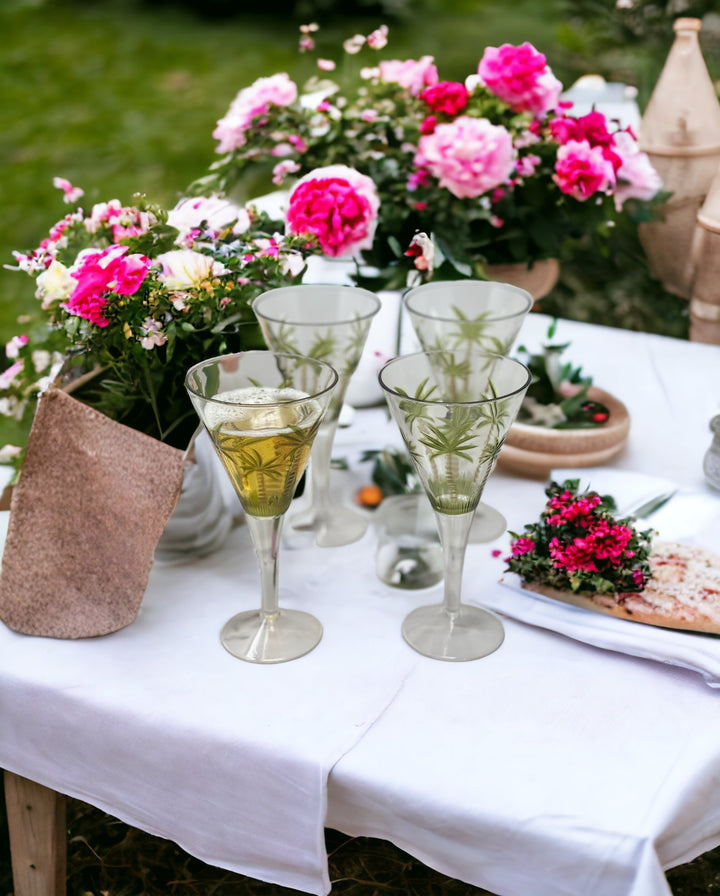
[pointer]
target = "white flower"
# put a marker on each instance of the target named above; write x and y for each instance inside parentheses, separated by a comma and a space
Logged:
(185, 268)
(54, 284)
(354, 44)
(8, 453)
(41, 359)
(190, 213)
(291, 263)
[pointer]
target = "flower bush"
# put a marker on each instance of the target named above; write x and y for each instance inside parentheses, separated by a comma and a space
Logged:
(578, 545)
(130, 297)
(492, 170)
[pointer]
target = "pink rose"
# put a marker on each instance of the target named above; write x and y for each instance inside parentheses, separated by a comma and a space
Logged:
(413, 75)
(582, 170)
(520, 77)
(636, 177)
(337, 205)
(448, 97)
(255, 100)
(101, 271)
(468, 156)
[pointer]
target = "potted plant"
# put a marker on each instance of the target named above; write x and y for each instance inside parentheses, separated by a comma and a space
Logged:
(494, 170)
(564, 420)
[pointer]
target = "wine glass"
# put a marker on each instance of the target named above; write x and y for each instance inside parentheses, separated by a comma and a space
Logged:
(454, 409)
(262, 411)
(464, 315)
(330, 323)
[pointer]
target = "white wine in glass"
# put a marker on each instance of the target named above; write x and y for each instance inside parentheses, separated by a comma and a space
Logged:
(262, 411)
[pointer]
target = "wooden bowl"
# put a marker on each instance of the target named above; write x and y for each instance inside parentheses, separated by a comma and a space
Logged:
(535, 450)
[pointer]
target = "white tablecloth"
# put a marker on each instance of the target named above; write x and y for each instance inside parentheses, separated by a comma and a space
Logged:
(550, 767)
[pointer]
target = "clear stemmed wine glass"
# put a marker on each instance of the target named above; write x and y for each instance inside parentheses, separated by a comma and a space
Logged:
(329, 323)
(454, 409)
(464, 315)
(262, 411)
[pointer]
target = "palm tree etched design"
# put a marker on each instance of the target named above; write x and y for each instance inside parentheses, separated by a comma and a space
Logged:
(467, 317)
(453, 430)
(330, 324)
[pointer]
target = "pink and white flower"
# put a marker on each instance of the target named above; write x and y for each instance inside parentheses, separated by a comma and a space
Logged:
(12, 348)
(338, 206)
(636, 177)
(249, 104)
(468, 156)
(70, 193)
(100, 272)
(521, 77)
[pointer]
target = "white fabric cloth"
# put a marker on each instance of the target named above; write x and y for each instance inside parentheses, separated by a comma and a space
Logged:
(550, 767)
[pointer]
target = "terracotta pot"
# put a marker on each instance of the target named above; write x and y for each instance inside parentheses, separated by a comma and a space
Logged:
(536, 450)
(537, 279)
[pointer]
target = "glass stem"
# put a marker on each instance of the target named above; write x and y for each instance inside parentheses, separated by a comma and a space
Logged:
(454, 529)
(265, 532)
(321, 456)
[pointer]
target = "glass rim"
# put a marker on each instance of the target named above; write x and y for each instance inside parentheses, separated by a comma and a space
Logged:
(410, 293)
(315, 323)
(444, 401)
(265, 353)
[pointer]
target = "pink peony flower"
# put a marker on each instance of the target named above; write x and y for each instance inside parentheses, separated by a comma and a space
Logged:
(253, 101)
(101, 271)
(582, 170)
(468, 156)
(448, 97)
(413, 75)
(337, 205)
(520, 77)
(636, 177)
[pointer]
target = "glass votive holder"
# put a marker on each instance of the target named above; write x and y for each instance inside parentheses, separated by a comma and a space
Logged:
(408, 553)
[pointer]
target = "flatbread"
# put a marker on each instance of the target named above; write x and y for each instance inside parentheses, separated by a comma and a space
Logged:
(683, 592)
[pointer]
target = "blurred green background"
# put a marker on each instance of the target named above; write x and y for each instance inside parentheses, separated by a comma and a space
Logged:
(121, 96)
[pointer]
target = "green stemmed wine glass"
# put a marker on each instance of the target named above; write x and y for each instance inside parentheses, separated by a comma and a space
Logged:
(329, 323)
(466, 316)
(262, 411)
(454, 409)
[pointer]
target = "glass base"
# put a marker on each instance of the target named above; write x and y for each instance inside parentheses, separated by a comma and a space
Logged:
(257, 638)
(334, 527)
(468, 635)
(487, 525)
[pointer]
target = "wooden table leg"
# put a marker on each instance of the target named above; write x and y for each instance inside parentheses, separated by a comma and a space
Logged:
(38, 837)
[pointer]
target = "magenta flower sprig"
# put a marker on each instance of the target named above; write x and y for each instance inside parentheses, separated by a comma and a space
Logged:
(578, 545)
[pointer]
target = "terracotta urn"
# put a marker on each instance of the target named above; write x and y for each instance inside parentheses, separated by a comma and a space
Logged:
(534, 451)
(680, 132)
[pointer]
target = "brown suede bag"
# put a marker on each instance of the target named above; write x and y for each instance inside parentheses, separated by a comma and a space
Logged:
(86, 515)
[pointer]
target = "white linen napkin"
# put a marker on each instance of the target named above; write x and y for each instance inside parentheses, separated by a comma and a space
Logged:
(690, 516)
